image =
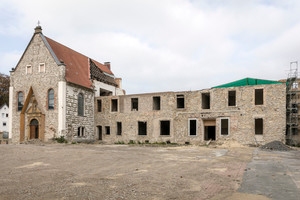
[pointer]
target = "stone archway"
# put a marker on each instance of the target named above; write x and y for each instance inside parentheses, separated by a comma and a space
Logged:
(34, 129)
(35, 123)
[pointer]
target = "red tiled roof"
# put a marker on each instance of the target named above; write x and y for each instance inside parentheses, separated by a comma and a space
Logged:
(77, 65)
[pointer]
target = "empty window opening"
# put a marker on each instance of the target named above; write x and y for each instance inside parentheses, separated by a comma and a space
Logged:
(119, 128)
(231, 98)
(135, 104)
(259, 126)
(114, 105)
(28, 69)
(165, 127)
(259, 96)
(42, 67)
(99, 132)
(103, 92)
(180, 101)
(210, 133)
(142, 128)
(107, 130)
(224, 126)
(193, 126)
(99, 105)
(156, 103)
(205, 100)
(80, 131)
(4, 123)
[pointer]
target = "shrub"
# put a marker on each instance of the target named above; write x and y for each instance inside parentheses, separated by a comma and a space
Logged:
(119, 142)
(61, 139)
(131, 142)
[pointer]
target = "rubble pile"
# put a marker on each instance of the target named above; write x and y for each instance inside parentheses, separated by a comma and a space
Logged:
(275, 146)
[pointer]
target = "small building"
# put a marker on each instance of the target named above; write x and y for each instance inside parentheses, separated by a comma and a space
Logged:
(4, 118)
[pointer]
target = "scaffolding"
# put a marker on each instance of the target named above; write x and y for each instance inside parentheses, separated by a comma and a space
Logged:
(292, 103)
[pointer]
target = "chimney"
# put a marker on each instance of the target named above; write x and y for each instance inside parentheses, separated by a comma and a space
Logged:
(119, 82)
(38, 29)
(107, 64)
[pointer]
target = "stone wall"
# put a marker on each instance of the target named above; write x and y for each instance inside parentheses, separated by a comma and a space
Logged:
(73, 120)
(241, 117)
(40, 82)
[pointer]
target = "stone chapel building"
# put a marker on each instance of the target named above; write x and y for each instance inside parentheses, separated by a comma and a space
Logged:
(52, 91)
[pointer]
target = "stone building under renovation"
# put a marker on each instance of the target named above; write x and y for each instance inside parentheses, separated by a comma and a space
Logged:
(249, 111)
(56, 91)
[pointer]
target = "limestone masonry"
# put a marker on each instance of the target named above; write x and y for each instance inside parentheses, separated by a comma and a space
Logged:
(56, 91)
(191, 122)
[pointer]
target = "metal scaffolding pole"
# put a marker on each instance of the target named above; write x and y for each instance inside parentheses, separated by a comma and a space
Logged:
(292, 103)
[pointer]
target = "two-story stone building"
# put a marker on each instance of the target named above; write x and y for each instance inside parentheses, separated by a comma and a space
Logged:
(249, 111)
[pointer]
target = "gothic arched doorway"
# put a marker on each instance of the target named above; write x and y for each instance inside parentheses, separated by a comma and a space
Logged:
(34, 129)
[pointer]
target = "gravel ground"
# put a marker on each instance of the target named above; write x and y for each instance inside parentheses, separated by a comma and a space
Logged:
(80, 171)
(115, 172)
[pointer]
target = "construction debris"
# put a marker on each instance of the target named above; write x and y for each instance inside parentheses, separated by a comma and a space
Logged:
(275, 146)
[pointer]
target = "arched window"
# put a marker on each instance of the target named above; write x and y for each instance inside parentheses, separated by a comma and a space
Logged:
(50, 99)
(80, 104)
(20, 101)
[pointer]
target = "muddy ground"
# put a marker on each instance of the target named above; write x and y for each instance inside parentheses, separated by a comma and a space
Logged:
(80, 171)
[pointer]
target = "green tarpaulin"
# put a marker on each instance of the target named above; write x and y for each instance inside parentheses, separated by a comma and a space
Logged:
(247, 81)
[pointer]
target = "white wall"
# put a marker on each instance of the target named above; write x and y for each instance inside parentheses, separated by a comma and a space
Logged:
(61, 107)
(115, 91)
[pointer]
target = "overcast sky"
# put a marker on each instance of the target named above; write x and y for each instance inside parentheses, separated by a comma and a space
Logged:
(163, 45)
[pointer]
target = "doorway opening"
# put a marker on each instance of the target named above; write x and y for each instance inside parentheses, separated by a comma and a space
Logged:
(34, 129)
(210, 133)
(99, 132)
(209, 129)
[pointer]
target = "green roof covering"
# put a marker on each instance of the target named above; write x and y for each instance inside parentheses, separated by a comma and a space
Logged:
(247, 81)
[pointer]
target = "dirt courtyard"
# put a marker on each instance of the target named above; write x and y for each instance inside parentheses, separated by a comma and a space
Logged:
(73, 171)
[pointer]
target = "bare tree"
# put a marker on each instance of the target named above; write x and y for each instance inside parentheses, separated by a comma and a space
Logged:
(4, 89)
